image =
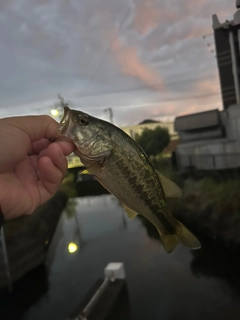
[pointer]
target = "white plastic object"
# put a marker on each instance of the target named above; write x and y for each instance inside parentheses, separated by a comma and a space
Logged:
(114, 270)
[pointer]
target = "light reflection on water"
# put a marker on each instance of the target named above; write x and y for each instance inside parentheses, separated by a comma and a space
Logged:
(160, 286)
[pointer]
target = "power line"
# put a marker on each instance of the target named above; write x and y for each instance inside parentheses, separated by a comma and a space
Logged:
(207, 35)
(177, 99)
(146, 88)
(202, 96)
(110, 46)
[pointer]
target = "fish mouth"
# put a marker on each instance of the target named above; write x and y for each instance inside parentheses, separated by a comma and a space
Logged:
(65, 121)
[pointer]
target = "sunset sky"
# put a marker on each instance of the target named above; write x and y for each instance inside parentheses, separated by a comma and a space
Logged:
(142, 58)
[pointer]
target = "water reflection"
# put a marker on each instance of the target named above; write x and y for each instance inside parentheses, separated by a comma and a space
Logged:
(70, 209)
(213, 260)
(186, 284)
(72, 247)
(109, 236)
(151, 230)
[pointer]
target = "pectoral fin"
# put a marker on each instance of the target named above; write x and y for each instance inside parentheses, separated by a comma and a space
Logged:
(130, 213)
(92, 170)
(169, 242)
(170, 188)
(85, 171)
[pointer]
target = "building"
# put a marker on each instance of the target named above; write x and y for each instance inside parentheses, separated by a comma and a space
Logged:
(228, 59)
(211, 140)
(150, 124)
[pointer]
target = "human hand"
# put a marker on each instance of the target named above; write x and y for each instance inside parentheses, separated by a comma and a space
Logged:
(31, 167)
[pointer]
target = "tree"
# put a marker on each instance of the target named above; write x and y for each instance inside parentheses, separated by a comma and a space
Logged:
(153, 141)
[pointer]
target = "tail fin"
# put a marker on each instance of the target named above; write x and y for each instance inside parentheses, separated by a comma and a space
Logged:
(182, 235)
(187, 238)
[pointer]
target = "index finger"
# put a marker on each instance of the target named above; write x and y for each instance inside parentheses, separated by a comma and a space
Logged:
(37, 146)
(36, 127)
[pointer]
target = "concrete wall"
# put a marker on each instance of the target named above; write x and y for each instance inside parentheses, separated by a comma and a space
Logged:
(213, 154)
(198, 120)
(233, 122)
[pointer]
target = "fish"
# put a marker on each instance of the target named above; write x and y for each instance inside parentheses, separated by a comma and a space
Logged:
(124, 169)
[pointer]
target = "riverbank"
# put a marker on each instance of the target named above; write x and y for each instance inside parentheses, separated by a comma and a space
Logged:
(212, 207)
(28, 238)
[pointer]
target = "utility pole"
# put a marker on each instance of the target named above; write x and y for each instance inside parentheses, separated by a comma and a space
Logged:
(109, 110)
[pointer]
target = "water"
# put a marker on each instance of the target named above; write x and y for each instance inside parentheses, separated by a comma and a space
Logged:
(183, 285)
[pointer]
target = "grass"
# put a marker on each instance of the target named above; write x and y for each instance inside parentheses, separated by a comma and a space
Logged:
(223, 196)
(210, 204)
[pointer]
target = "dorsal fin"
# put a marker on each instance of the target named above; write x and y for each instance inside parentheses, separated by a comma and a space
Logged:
(170, 188)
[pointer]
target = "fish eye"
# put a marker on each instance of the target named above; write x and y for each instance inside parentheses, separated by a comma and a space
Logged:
(84, 122)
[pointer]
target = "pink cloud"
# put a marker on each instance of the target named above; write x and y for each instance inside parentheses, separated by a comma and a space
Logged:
(148, 16)
(132, 65)
(207, 86)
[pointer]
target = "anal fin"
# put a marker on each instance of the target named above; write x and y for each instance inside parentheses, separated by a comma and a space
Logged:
(130, 213)
(169, 242)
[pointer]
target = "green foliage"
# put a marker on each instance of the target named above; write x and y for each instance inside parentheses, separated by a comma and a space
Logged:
(212, 206)
(223, 196)
(153, 141)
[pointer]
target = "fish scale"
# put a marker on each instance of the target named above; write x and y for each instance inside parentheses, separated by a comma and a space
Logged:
(124, 181)
(123, 168)
(144, 197)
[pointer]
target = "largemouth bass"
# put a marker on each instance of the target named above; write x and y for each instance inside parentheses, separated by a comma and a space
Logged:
(123, 168)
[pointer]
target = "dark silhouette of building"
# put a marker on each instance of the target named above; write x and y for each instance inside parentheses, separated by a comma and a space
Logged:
(227, 43)
(210, 140)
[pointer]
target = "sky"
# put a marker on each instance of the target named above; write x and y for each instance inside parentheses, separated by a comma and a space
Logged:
(145, 59)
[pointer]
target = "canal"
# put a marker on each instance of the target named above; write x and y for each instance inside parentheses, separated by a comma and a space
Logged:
(188, 285)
